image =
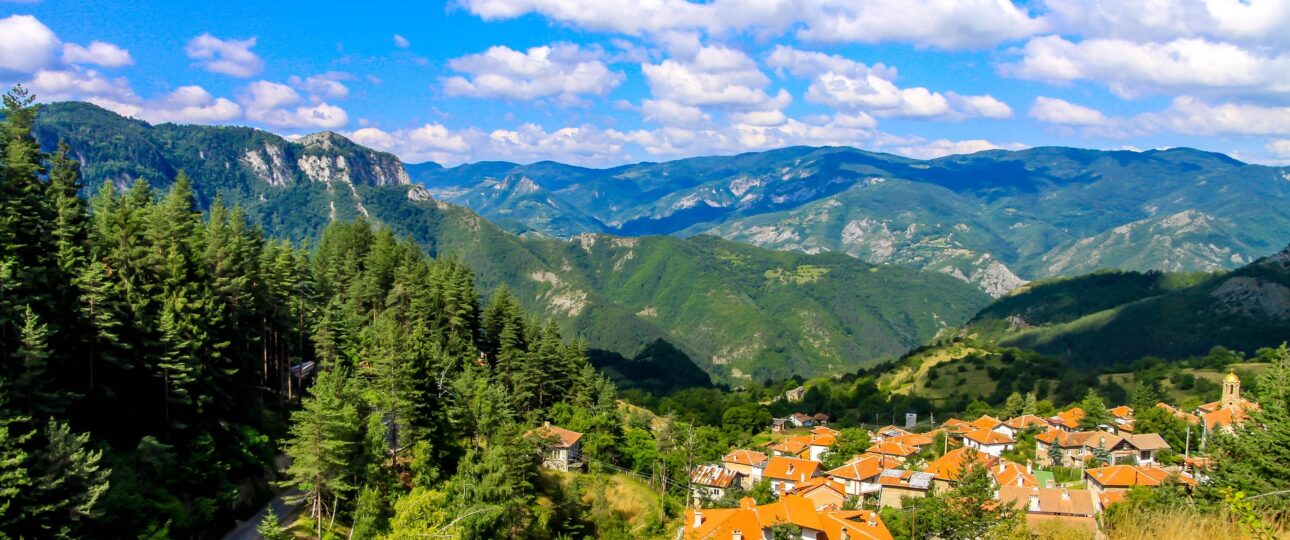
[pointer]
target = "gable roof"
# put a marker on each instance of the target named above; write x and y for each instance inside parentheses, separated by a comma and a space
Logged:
(791, 469)
(1129, 475)
(1190, 418)
(1070, 502)
(1008, 473)
(823, 430)
(948, 466)
(864, 467)
(562, 438)
(751, 519)
(791, 446)
(1147, 441)
(1079, 439)
(713, 476)
(907, 479)
(986, 421)
(891, 448)
(1069, 418)
(818, 483)
(745, 457)
(1123, 411)
(987, 436)
(1024, 421)
(912, 439)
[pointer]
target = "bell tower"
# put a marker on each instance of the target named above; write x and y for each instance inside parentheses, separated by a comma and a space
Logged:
(1231, 389)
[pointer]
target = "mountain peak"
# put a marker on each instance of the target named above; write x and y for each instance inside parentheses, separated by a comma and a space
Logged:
(324, 140)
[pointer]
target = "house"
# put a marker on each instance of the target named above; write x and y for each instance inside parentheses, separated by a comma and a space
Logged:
(1179, 413)
(1021, 423)
(822, 492)
(1076, 508)
(1009, 473)
(753, 522)
(894, 449)
(821, 430)
(1067, 420)
(801, 420)
(887, 432)
(860, 475)
(1109, 483)
(748, 464)
(918, 441)
(820, 419)
(779, 424)
(1230, 410)
(1146, 445)
(562, 450)
(899, 484)
(785, 472)
(985, 422)
(795, 394)
(954, 424)
(791, 447)
(945, 470)
(710, 482)
(1081, 447)
(988, 441)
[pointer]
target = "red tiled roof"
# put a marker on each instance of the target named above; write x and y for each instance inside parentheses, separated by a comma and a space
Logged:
(750, 520)
(986, 421)
(864, 467)
(1130, 475)
(791, 469)
(1024, 421)
(948, 466)
(892, 449)
(987, 436)
(563, 438)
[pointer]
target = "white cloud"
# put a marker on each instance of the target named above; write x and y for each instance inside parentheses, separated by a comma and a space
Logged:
(1279, 148)
(190, 105)
(323, 86)
(846, 84)
(401, 42)
(1130, 68)
(429, 142)
(715, 76)
(79, 83)
(672, 113)
(231, 57)
(278, 105)
(1059, 111)
(562, 70)
(946, 147)
(99, 53)
(26, 45)
(948, 24)
(1157, 20)
(1194, 117)
(945, 24)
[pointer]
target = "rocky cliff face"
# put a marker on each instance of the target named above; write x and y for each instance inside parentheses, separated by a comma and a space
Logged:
(329, 157)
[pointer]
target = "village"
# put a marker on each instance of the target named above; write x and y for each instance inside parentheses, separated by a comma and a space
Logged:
(1074, 474)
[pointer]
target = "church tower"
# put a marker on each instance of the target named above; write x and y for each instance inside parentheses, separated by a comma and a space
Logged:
(1231, 389)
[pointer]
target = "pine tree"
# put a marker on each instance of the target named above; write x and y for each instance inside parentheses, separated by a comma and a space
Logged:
(324, 434)
(1030, 405)
(32, 385)
(25, 243)
(1095, 413)
(1144, 396)
(67, 486)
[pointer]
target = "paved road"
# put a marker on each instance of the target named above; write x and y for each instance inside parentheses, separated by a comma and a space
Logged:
(286, 513)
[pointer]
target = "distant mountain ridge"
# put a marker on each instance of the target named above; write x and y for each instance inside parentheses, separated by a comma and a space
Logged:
(739, 311)
(995, 218)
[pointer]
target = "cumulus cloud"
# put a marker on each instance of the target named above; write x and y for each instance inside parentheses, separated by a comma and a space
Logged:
(26, 45)
(1192, 116)
(98, 53)
(401, 42)
(1059, 111)
(429, 142)
(1279, 148)
(75, 82)
(190, 105)
(232, 57)
(673, 113)
(1130, 68)
(563, 71)
(946, 147)
(846, 84)
(324, 85)
(947, 24)
(715, 76)
(280, 105)
(1235, 20)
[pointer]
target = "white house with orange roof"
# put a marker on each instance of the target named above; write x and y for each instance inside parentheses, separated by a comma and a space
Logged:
(1067, 420)
(562, 449)
(785, 472)
(860, 475)
(710, 482)
(988, 441)
(1017, 424)
(748, 464)
(1110, 483)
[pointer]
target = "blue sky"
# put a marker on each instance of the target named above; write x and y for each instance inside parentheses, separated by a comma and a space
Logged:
(604, 82)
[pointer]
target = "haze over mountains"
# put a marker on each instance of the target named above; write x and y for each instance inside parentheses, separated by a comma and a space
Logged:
(994, 218)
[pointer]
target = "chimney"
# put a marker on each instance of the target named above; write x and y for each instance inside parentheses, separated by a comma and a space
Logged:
(790, 468)
(698, 518)
(737, 535)
(1034, 503)
(1021, 481)
(546, 423)
(873, 519)
(846, 535)
(1066, 494)
(1001, 466)
(1029, 468)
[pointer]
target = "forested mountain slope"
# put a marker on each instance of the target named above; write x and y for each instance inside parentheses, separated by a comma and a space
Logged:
(739, 311)
(1118, 317)
(993, 218)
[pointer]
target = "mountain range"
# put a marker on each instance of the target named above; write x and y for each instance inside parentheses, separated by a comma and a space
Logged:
(739, 311)
(995, 219)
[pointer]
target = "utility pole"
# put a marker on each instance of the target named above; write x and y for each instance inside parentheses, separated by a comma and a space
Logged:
(913, 526)
(1187, 450)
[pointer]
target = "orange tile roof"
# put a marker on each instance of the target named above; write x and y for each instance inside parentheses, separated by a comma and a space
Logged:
(563, 438)
(986, 421)
(823, 440)
(750, 520)
(745, 457)
(790, 446)
(1077, 439)
(1024, 421)
(955, 422)
(819, 482)
(1129, 475)
(864, 467)
(1226, 416)
(1074, 502)
(912, 439)
(821, 430)
(713, 476)
(1190, 418)
(791, 469)
(1008, 473)
(1109, 498)
(1123, 411)
(948, 466)
(1069, 418)
(892, 449)
(988, 436)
